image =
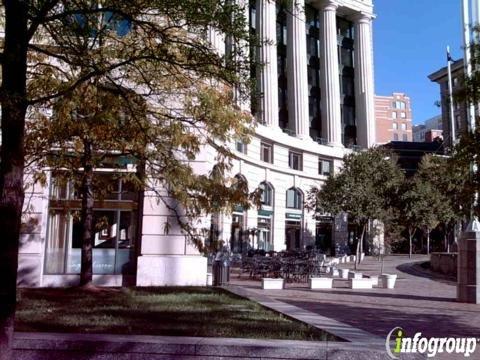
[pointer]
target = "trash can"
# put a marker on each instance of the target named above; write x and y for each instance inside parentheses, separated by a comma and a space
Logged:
(221, 272)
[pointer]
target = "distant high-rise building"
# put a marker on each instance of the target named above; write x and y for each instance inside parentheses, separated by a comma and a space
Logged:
(429, 130)
(459, 106)
(393, 118)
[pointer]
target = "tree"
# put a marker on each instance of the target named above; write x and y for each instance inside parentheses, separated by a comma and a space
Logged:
(449, 181)
(156, 50)
(364, 189)
(423, 202)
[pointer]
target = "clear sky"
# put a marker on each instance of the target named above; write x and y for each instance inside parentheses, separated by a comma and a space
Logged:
(410, 39)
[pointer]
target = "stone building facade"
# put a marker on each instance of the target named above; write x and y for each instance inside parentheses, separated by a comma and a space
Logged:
(316, 105)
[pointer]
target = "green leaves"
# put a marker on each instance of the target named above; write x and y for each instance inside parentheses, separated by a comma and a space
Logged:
(159, 94)
(363, 189)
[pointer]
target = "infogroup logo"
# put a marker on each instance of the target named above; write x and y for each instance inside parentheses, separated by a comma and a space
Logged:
(430, 346)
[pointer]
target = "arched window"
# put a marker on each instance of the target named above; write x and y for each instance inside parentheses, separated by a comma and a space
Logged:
(240, 183)
(266, 197)
(294, 199)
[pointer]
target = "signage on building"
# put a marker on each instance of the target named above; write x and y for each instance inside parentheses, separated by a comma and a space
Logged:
(294, 216)
(265, 212)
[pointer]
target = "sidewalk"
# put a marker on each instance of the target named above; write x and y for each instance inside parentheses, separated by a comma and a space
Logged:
(418, 303)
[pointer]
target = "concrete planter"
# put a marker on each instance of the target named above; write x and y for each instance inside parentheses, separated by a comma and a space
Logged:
(360, 283)
(209, 279)
(272, 284)
(354, 275)
(320, 283)
(388, 280)
(344, 273)
(373, 279)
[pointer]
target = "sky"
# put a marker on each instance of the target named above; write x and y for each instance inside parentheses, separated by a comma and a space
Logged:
(410, 40)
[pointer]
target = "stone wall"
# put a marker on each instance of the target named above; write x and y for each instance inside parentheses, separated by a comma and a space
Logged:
(445, 263)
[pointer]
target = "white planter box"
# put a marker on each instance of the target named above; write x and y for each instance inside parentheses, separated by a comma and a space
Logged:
(362, 283)
(209, 279)
(333, 271)
(354, 275)
(373, 279)
(388, 280)
(272, 284)
(320, 283)
(344, 273)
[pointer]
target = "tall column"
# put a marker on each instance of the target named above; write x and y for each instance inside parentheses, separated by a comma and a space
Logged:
(330, 80)
(297, 70)
(217, 40)
(364, 85)
(267, 56)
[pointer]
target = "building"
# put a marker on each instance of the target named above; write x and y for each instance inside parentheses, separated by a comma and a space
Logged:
(432, 134)
(326, 68)
(393, 118)
(428, 131)
(459, 106)
(410, 154)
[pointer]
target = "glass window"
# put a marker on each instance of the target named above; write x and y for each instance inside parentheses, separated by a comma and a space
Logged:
(325, 167)
(266, 197)
(264, 237)
(295, 161)
(282, 65)
(403, 115)
(394, 115)
(294, 199)
(266, 152)
(399, 105)
(238, 238)
(241, 147)
(114, 227)
(404, 126)
(344, 28)
(405, 137)
(395, 137)
(395, 126)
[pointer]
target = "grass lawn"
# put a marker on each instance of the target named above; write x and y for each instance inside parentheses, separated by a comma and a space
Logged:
(204, 312)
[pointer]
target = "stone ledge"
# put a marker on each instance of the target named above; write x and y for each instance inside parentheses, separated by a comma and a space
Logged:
(43, 346)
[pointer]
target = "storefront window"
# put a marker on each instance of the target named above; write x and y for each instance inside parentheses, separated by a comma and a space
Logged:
(265, 234)
(114, 228)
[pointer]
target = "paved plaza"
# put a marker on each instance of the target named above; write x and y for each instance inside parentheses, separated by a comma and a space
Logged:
(420, 302)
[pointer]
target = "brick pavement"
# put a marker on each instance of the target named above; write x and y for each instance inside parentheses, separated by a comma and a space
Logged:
(418, 302)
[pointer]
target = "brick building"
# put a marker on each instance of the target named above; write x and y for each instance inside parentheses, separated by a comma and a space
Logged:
(393, 118)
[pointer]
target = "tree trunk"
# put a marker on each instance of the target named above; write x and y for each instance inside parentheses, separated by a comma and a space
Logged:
(446, 243)
(428, 241)
(86, 272)
(410, 237)
(14, 105)
(360, 246)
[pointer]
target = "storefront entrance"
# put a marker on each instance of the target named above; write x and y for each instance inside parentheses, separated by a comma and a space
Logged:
(293, 232)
